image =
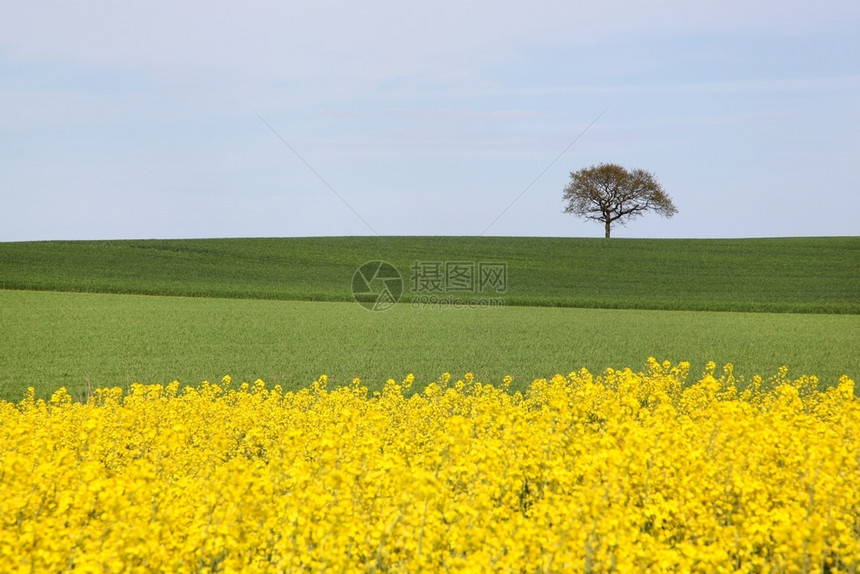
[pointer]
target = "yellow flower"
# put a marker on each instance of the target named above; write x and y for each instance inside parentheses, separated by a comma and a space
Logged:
(625, 471)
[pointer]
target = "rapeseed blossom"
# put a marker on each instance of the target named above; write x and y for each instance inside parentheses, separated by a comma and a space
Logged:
(618, 472)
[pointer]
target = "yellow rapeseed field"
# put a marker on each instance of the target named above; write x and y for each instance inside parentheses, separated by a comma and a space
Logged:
(626, 472)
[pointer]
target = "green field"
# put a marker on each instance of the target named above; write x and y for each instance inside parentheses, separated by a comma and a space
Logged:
(281, 310)
(800, 275)
(83, 341)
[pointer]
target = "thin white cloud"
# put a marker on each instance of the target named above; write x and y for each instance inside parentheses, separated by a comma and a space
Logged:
(752, 86)
(373, 39)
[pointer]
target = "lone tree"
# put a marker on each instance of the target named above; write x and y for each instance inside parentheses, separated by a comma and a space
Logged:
(609, 193)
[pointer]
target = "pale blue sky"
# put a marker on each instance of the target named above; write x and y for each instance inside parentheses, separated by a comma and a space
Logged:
(139, 119)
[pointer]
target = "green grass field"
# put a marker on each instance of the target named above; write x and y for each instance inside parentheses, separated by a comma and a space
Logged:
(802, 275)
(83, 341)
(282, 310)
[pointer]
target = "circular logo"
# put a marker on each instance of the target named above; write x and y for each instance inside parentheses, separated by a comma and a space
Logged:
(377, 285)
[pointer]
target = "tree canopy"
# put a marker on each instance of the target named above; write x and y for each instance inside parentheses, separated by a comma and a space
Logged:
(611, 194)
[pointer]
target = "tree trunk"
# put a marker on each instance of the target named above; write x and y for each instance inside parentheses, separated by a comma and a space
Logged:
(607, 230)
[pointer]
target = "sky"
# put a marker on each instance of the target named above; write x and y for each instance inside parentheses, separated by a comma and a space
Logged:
(176, 119)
